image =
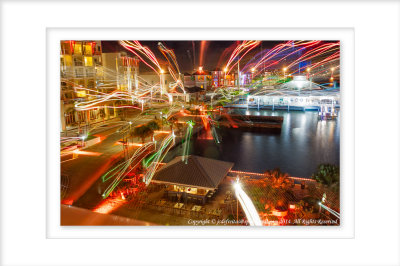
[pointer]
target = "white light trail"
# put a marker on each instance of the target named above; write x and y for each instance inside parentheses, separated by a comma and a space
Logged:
(247, 206)
(335, 213)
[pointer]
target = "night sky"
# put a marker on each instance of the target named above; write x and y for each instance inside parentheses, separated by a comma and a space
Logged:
(188, 52)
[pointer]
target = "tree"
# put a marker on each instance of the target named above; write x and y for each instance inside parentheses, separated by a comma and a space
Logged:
(153, 125)
(142, 131)
(165, 122)
(172, 121)
(179, 127)
(277, 178)
(328, 175)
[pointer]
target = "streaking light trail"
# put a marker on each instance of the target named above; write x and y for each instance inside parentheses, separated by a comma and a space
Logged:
(243, 48)
(334, 213)
(186, 144)
(158, 157)
(247, 205)
(124, 168)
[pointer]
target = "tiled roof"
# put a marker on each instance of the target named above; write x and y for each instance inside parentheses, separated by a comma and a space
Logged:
(198, 172)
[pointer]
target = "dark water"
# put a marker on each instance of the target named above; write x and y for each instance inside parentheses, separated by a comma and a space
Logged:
(303, 143)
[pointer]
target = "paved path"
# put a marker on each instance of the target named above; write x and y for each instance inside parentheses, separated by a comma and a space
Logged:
(83, 171)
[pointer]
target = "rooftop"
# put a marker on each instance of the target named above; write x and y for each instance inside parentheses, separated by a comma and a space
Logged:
(197, 172)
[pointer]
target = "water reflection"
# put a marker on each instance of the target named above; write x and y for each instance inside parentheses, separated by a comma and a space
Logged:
(303, 143)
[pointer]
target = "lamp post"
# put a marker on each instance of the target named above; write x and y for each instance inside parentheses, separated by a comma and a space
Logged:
(130, 124)
(237, 203)
(284, 72)
(83, 140)
(252, 73)
(162, 81)
(225, 70)
(310, 79)
(238, 76)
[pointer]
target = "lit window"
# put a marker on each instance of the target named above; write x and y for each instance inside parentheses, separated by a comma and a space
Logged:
(88, 61)
(88, 49)
(78, 49)
(81, 94)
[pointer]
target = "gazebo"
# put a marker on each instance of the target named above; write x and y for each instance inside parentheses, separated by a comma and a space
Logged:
(192, 180)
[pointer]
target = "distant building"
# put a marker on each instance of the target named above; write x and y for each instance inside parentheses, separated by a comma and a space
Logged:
(218, 78)
(201, 78)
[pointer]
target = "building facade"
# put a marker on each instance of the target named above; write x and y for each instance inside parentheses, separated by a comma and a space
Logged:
(86, 71)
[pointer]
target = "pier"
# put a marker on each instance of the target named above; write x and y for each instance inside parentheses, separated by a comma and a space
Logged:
(251, 122)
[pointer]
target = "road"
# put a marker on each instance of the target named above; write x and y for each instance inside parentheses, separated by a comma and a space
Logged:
(83, 171)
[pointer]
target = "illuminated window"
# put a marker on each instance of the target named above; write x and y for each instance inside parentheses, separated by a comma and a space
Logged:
(78, 49)
(65, 48)
(88, 61)
(88, 49)
(67, 60)
(191, 190)
(81, 94)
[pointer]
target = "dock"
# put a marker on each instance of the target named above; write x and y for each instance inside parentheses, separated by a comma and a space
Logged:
(251, 122)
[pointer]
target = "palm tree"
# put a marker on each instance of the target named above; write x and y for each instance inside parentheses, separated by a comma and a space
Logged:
(179, 127)
(328, 175)
(154, 125)
(165, 122)
(277, 178)
(142, 131)
(172, 122)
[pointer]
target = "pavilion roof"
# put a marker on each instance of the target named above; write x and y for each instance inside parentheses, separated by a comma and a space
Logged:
(197, 172)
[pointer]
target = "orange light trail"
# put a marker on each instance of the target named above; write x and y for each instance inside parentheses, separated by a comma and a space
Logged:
(136, 48)
(245, 46)
(129, 144)
(89, 153)
(162, 131)
(173, 67)
(109, 205)
(203, 49)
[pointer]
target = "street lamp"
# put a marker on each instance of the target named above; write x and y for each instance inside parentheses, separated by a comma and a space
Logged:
(142, 102)
(284, 72)
(225, 70)
(310, 79)
(83, 140)
(252, 72)
(161, 81)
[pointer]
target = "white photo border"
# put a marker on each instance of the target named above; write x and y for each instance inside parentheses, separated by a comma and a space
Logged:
(23, 224)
